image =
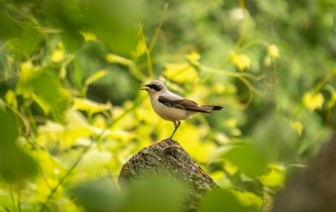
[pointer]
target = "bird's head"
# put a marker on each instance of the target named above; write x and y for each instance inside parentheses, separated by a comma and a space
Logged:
(155, 86)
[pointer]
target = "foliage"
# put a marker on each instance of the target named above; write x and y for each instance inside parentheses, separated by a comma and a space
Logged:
(71, 111)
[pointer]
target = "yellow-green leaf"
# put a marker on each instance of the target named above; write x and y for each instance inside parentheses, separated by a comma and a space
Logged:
(242, 61)
(275, 178)
(273, 51)
(57, 55)
(297, 126)
(193, 57)
(10, 98)
(95, 77)
(88, 36)
(180, 72)
(313, 101)
(267, 61)
(113, 58)
(90, 106)
(248, 199)
(45, 89)
(141, 48)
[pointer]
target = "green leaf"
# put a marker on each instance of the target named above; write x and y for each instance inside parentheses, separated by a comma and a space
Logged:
(275, 139)
(222, 200)
(180, 72)
(246, 158)
(97, 195)
(313, 101)
(15, 164)
(90, 106)
(153, 194)
(95, 77)
(44, 88)
(275, 178)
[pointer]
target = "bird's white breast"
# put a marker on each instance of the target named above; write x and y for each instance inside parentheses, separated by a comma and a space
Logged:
(169, 113)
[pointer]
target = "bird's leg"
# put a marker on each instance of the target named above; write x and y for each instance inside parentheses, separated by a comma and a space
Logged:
(176, 124)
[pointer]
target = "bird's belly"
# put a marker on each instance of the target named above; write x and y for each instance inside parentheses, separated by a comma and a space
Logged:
(172, 114)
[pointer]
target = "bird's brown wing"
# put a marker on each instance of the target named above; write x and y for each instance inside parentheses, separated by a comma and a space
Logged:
(183, 104)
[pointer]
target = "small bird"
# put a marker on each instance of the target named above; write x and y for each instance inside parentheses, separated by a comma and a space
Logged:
(173, 107)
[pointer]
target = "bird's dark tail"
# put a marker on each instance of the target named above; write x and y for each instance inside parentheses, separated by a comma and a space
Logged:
(217, 108)
(211, 108)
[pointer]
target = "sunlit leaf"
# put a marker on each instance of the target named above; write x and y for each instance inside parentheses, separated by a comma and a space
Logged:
(297, 126)
(95, 158)
(275, 178)
(180, 72)
(57, 55)
(230, 168)
(44, 88)
(273, 51)
(193, 57)
(242, 61)
(88, 36)
(140, 49)
(231, 123)
(113, 58)
(90, 106)
(10, 98)
(313, 101)
(248, 199)
(95, 77)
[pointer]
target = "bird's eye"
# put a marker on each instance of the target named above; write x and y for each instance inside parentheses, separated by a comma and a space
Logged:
(155, 87)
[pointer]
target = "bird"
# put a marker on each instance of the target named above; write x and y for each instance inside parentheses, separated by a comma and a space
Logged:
(171, 106)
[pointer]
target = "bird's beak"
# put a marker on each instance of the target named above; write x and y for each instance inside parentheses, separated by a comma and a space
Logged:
(144, 88)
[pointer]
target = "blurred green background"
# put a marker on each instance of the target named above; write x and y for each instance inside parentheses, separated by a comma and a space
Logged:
(71, 113)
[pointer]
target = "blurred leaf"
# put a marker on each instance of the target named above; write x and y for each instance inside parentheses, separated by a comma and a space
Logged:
(113, 22)
(15, 164)
(193, 57)
(153, 194)
(11, 99)
(242, 61)
(95, 77)
(140, 49)
(275, 178)
(44, 88)
(231, 168)
(5, 202)
(248, 161)
(113, 58)
(248, 199)
(97, 195)
(90, 106)
(222, 200)
(275, 139)
(313, 101)
(180, 72)
(273, 51)
(88, 36)
(57, 55)
(297, 126)
(95, 158)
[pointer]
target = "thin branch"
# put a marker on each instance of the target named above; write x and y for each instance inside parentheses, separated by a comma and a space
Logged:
(53, 191)
(158, 28)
